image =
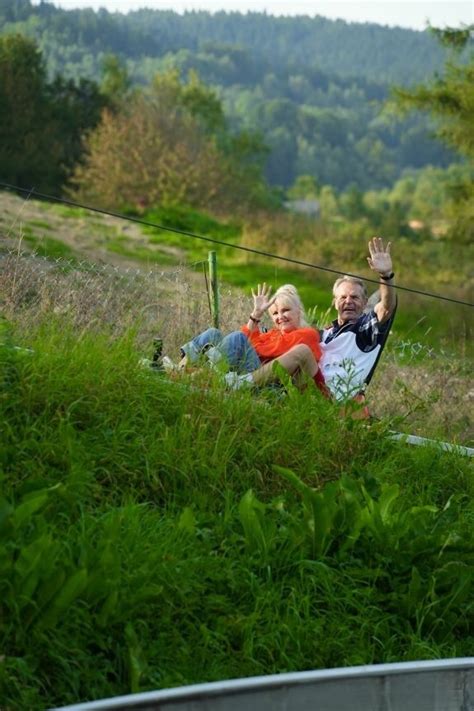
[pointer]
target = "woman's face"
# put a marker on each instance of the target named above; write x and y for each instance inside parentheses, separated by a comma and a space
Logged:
(285, 315)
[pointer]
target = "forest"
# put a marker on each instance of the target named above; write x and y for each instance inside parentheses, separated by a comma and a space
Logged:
(184, 134)
(318, 109)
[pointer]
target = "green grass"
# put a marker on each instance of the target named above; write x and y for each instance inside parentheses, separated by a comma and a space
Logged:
(49, 247)
(68, 211)
(232, 269)
(42, 224)
(429, 322)
(193, 221)
(158, 533)
(126, 248)
(314, 290)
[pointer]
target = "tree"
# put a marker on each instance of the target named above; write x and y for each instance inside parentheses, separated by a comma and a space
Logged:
(168, 144)
(352, 203)
(197, 99)
(280, 168)
(76, 110)
(115, 83)
(41, 124)
(24, 113)
(14, 11)
(328, 203)
(144, 154)
(450, 100)
(305, 187)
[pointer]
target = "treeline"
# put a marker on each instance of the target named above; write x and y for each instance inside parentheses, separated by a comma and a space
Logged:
(314, 89)
(122, 147)
(366, 50)
(173, 141)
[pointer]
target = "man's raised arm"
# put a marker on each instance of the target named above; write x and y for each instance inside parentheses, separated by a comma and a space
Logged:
(380, 261)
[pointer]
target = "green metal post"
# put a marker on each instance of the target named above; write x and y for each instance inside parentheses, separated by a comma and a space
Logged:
(214, 295)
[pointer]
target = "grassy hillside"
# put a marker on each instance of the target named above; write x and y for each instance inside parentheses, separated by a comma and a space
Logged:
(158, 532)
(99, 269)
(57, 231)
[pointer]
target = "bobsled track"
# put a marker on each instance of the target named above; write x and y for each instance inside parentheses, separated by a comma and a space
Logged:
(441, 685)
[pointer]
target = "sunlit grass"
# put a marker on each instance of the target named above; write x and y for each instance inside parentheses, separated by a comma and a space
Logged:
(49, 247)
(148, 526)
(159, 532)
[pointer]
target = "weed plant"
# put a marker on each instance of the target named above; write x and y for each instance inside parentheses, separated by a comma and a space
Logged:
(156, 533)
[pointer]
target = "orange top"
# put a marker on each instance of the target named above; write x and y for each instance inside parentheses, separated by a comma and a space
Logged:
(274, 343)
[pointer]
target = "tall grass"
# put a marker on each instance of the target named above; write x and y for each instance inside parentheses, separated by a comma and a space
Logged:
(156, 533)
(432, 264)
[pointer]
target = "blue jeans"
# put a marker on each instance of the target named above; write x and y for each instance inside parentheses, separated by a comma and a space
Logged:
(235, 347)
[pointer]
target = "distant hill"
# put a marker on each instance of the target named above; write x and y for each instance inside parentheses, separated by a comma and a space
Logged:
(369, 51)
(376, 53)
(314, 88)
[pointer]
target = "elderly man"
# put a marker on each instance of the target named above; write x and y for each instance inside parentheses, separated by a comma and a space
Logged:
(352, 344)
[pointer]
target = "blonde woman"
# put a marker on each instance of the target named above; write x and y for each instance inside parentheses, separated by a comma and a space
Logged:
(251, 352)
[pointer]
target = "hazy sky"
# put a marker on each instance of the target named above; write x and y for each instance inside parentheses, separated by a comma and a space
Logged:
(404, 13)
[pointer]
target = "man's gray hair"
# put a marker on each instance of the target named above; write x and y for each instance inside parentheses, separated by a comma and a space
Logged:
(351, 280)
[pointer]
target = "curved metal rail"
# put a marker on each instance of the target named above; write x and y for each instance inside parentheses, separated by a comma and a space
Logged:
(443, 685)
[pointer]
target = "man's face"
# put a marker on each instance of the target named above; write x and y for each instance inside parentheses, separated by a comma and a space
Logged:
(349, 301)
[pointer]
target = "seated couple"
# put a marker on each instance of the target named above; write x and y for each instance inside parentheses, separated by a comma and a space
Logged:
(339, 359)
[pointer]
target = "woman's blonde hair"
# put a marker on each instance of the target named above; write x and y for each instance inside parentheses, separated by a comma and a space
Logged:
(289, 294)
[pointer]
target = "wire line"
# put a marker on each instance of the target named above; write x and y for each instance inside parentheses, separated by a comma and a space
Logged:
(212, 240)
